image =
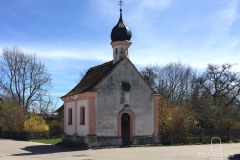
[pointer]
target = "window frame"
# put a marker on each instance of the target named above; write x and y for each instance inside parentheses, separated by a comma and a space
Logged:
(82, 115)
(70, 116)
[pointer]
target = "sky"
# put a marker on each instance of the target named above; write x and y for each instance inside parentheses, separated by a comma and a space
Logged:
(69, 36)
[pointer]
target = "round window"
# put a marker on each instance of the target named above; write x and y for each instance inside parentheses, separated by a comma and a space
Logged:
(126, 86)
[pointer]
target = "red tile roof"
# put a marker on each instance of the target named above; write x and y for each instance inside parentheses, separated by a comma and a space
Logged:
(93, 76)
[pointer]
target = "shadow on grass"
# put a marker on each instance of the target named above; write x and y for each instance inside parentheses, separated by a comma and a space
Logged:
(45, 149)
(235, 157)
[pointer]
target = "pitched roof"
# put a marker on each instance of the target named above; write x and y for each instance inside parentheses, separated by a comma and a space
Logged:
(60, 109)
(93, 76)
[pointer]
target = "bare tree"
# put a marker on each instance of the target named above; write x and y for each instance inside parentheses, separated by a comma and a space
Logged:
(23, 78)
(222, 84)
(175, 82)
(149, 75)
(218, 97)
(82, 73)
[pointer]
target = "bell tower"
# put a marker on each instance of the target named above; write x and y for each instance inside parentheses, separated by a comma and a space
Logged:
(121, 35)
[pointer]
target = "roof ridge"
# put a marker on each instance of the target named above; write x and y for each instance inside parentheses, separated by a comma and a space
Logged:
(91, 78)
(100, 76)
(100, 65)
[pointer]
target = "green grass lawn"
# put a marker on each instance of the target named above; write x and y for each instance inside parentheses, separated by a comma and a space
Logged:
(52, 141)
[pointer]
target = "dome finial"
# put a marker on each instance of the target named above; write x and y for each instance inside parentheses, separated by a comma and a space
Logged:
(121, 35)
(121, 32)
(120, 4)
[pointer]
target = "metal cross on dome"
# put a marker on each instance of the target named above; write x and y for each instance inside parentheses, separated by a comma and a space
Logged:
(120, 4)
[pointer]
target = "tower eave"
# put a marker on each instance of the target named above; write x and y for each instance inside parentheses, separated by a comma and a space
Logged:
(116, 43)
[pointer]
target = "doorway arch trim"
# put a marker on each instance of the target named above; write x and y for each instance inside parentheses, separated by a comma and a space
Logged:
(132, 122)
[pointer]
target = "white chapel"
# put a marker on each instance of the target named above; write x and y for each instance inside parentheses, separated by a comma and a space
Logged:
(112, 104)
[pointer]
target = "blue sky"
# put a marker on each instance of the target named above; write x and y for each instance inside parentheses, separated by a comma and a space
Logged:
(69, 36)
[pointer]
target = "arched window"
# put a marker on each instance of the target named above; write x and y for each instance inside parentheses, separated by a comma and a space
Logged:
(121, 50)
(82, 116)
(116, 51)
(70, 116)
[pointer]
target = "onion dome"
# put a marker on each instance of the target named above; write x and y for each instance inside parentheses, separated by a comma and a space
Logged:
(121, 31)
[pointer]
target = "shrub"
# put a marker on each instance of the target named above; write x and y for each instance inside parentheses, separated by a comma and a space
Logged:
(36, 124)
(12, 116)
(56, 128)
(175, 122)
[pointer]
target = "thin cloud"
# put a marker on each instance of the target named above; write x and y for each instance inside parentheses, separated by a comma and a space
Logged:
(164, 31)
(99, 54)
(227, 16)
(155, 4)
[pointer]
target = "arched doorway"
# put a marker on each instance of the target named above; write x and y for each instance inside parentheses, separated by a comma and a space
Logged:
(125, 128)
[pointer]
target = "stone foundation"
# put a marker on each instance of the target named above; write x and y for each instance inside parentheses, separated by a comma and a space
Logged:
(141, 140)
(109, 141)
(74, 141)
(93, 141)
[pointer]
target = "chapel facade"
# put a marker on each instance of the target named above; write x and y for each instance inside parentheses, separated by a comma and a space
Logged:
(112, 104)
